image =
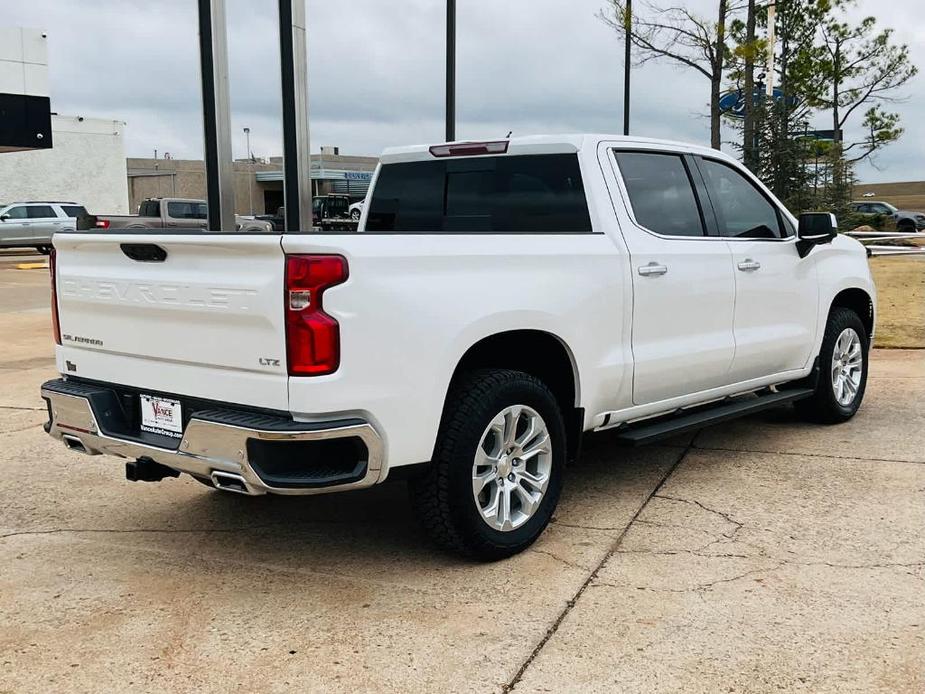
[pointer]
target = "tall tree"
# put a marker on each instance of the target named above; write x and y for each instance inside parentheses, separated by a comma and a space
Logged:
(862, 68)
(676, 34)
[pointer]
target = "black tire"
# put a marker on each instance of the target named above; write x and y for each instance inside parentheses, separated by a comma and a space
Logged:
(44, 250)
(906, 227)
(443, 496)
(823, 407)
(355, 215)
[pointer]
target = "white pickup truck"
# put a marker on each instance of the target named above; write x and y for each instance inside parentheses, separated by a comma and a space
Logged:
(501, 299)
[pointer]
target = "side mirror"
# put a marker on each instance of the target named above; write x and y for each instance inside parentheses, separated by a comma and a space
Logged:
(4, 217)
(815, 228)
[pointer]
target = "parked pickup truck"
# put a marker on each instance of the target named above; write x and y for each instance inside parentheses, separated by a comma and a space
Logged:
(164, 213)
(501, 300)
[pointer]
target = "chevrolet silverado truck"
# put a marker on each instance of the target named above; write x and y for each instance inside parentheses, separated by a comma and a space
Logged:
(169, 213)
(501, 300)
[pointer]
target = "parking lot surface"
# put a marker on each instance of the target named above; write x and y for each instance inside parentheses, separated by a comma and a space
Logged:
(760, 555)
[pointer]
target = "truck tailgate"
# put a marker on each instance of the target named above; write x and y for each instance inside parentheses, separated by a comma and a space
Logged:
(205, 321)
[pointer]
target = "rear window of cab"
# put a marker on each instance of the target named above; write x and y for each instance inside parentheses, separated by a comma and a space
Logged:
(504, 194)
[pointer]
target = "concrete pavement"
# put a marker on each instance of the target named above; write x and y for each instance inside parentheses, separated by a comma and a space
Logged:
(761, 555)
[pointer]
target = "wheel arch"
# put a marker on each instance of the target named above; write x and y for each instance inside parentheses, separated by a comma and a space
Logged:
(859, 301)
(541, 354)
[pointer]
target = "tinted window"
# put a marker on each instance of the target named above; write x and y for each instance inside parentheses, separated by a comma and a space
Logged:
(150, 208)
(40, 212)
(74, 210)
(187, 210)
(741, 210)
(530, 193)
(661, 193)
(16, 213)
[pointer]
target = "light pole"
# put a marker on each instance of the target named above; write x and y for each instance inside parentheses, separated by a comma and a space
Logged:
(628, 33)
(250, 173)
(450, 70)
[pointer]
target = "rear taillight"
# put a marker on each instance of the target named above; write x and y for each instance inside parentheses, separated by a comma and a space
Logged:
(312, 336)
(102, 224)
(52, 269)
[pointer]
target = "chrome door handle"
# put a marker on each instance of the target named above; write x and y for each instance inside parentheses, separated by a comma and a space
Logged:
(652, 269)
(748, 265)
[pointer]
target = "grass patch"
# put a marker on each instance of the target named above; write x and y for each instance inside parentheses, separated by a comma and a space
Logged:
(900, 301)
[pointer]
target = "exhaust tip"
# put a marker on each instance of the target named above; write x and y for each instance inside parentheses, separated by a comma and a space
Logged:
(75, 444)
(230, 482)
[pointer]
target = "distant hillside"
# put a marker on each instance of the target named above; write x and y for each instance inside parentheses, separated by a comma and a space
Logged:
(909, 195)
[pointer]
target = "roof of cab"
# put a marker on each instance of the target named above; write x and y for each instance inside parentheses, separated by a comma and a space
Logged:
(548, 144)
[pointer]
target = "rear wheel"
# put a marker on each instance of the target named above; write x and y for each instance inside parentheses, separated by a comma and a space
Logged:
(906, 227)
(497, 471)
(355, 215)
(843, 364)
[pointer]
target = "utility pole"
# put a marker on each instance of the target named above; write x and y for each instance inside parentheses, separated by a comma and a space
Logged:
(450, 70)
(216, 114)
(247, 134)
(627, 53)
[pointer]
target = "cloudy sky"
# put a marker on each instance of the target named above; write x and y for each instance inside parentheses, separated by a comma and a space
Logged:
(376, 73)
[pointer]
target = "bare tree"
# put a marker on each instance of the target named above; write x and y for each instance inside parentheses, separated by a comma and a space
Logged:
(863, 68)
(676, 34)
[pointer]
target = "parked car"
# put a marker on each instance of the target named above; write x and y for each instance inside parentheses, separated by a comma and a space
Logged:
(906, 221)
(356, 210)
(179, 213)
(329, 212)
(33, 223)
(503, 299)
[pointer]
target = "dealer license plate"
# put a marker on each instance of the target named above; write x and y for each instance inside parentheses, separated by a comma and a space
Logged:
(161, 416)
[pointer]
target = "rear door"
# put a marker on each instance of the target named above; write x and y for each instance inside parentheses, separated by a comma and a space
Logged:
(196, 314)
(683, 285)
(186, 214)
(43, 223)
(776, 290)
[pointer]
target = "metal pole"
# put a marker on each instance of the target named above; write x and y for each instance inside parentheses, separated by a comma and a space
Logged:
(628, 32)
(297, 185)
(450, 70)
(772, 40)
(216, 114)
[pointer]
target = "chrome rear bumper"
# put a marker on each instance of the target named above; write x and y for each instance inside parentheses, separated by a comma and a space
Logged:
(210, 448)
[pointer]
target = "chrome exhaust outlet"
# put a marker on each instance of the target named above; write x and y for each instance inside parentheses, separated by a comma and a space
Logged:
(75, 444)
(230, 482)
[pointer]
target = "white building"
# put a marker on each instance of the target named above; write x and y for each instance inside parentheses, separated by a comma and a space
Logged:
(49, 157)
(86, 166)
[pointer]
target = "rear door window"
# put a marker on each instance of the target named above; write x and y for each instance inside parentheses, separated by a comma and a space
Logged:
(187, 210)
(506, 194)
(41, 212)
(661, 193)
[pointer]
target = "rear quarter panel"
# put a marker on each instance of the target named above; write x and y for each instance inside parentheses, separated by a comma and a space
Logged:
(414, 304)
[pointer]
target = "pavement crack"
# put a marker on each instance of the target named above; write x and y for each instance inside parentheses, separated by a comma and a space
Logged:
(585, 527)
(559, 559)
(129, 531)
(570, 604)
(702, 587)
(23, 409)
(721, 449)
(725, 516)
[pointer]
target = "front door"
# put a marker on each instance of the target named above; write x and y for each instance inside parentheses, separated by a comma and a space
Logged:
(776, 290)
(683, 283)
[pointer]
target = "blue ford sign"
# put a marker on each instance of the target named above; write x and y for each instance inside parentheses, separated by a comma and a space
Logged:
(358, 175)
(732, 103)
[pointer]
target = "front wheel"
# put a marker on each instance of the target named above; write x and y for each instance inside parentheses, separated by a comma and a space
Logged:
(843, 364)
(355, 215)
(496, 475)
